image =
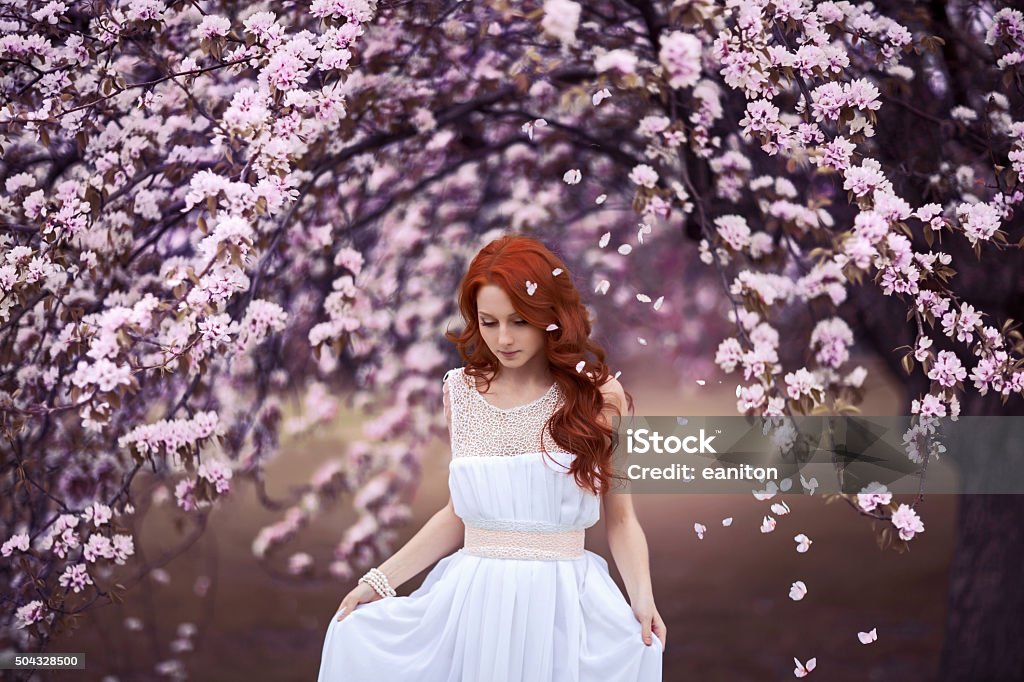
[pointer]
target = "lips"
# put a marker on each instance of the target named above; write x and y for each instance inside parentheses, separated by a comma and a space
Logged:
(508, 355)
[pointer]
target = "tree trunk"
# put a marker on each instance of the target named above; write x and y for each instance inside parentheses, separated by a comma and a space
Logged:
(984, 639)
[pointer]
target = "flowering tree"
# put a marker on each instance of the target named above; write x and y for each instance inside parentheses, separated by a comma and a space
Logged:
(208, 210)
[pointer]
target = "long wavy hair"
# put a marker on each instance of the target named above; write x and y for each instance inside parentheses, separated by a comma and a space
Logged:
(508, 262)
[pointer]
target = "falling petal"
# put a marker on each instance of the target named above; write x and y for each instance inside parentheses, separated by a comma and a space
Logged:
(780, 508)
(809, 485)
(641, 340)
(801, 670)
(556, 272)
(785, 484)
(600, 96)
(602, 287)
(657, 304)
(768, 493)
(700, 529)
(798, 590)
(701, 382)
(540, 123)
(551, 327)
(643, 298)
(768, 524)
(531, 287)
(580, 365)
(601, 199)
(625, 249)
(603, 242)
(617, 375)
(572, 176)
(868, 637)
(727, 522)
(682, 421)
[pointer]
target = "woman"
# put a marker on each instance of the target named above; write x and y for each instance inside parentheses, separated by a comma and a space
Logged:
(529, 418)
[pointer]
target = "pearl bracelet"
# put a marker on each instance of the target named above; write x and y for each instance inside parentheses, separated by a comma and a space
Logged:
(376, 579)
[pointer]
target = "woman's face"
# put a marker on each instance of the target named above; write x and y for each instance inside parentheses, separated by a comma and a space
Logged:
(503, 329)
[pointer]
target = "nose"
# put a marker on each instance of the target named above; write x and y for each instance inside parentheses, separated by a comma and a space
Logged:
(504, 337)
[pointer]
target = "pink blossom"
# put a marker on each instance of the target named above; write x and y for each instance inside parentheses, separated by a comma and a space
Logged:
(32, 612)
(831, 338)
(930, 406)
(561, 19)
(619, 59)
(874, 494)
(979, 221)
(1006, 23)
(891, 207)
(299, 562)
(644, 175)
(863, 94)
(800, 383)
(825, 279)
(751, 398)
(921, 352)
(768, 287)
(728, 354)
(947, 369)
(908, 522)
(284, 71)
(75, 577)
(213, 26)
(123, 547)
(827, 101)
(859, 250)
(98, 514)
(218, 474)
(763, 359)
(98, 547)
(987, 373)
(358, 11)
(734, 231)
(865, 178)
(961, 324)
(19, 541)
(650, 126)
(680, 55)
(837, 153)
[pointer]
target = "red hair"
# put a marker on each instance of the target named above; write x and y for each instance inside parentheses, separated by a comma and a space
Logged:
(508, 262)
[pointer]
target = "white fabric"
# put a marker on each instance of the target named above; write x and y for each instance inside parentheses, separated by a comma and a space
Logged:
(485, 619)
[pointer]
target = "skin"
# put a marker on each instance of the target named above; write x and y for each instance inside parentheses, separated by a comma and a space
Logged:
(525, 376)
(521, 379)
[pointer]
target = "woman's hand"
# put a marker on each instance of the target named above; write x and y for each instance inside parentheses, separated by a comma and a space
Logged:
(361, 594)
(650, 619)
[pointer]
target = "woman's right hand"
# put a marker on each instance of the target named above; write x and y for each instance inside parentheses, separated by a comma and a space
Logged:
(361, 594)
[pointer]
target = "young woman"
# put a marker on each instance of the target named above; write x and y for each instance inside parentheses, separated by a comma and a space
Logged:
(531, 438)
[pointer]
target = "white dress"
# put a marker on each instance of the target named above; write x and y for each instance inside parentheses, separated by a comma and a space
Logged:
(522, 601)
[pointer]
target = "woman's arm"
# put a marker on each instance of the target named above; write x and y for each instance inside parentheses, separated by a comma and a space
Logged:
(441, 535)
(627, 541)
(628, 545)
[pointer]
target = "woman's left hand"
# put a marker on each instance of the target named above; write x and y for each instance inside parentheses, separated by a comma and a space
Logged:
(650, 619)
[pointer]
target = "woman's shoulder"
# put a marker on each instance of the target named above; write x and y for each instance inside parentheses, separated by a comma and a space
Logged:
(453, 372)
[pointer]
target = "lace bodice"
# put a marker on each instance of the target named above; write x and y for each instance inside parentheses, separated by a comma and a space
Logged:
(482, 429)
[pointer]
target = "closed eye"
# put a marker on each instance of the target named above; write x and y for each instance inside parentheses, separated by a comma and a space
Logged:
(491, 324)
